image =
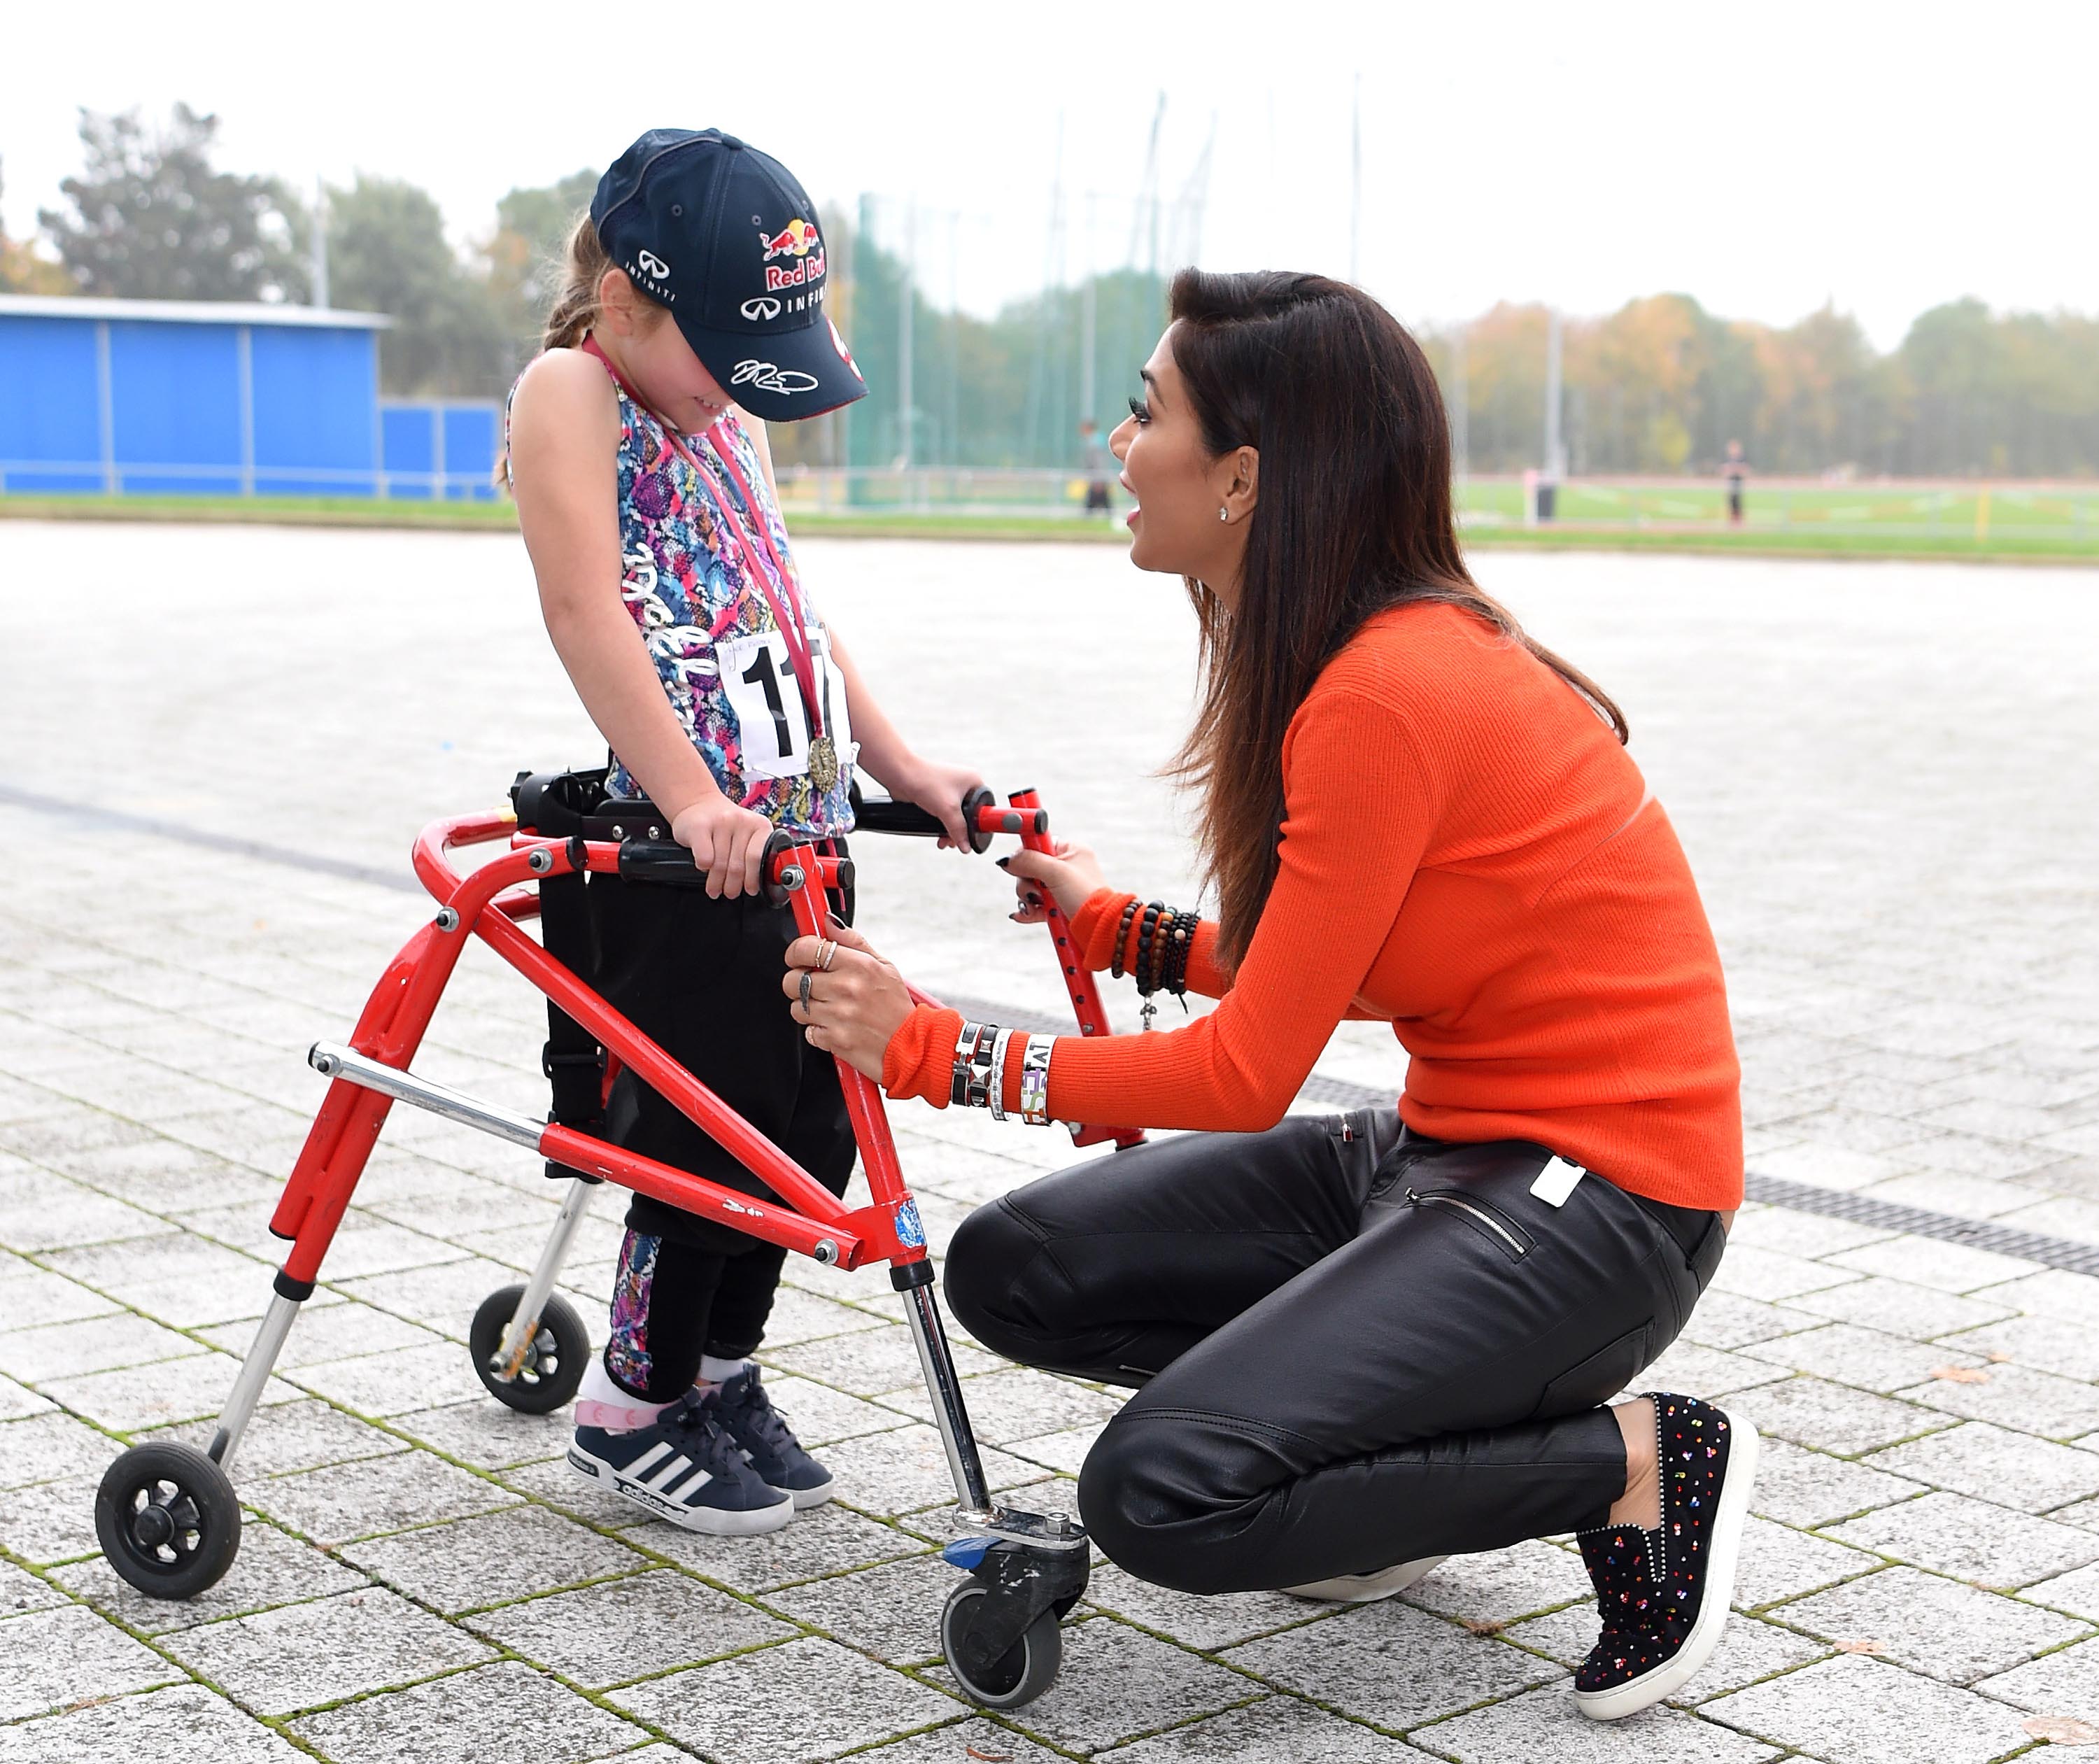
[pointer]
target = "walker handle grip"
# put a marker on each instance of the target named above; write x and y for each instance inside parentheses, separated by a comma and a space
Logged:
(980, 812)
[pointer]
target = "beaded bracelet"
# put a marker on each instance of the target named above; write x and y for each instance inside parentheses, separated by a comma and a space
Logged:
(965, 1048)
(997, 1097)
(1176, 963)
(1168, 919)
(1035, 1079)
(1122, 937)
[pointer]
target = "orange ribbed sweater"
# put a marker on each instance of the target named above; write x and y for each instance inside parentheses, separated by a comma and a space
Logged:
(1468, 854)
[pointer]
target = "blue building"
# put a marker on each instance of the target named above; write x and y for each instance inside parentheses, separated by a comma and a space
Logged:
(160, 398)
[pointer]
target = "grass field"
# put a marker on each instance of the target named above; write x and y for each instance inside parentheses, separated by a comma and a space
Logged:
(1840, 520)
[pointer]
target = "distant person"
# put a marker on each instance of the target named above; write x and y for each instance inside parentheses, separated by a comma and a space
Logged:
(1093, 456)
(645, 494)
(1737, 471)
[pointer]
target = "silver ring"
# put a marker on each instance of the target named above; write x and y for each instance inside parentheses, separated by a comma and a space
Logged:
(825, 950)
(807, 977)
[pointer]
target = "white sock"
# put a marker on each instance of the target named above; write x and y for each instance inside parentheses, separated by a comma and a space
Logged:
(601, 1403)
(714, 1371)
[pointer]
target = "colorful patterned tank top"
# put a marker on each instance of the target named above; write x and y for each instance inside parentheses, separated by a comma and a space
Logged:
(715, 643)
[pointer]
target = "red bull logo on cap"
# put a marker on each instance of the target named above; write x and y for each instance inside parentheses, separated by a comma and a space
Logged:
(798, 241)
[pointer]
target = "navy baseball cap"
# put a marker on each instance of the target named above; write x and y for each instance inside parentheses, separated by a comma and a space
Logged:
(723, 236)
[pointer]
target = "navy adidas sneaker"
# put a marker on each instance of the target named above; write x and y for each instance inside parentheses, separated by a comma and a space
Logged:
(685, 1468)
(768, 1443)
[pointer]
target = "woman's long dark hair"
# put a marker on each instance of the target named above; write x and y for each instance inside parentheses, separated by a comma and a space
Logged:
(1354, 516)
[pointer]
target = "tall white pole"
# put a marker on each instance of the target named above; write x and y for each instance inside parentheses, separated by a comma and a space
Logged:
(1556, 457)
(320, 244)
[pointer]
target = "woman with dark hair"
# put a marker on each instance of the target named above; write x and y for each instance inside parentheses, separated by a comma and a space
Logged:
(1364, 1342)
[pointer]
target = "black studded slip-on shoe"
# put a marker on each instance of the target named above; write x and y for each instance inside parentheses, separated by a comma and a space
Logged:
(1663, 1595)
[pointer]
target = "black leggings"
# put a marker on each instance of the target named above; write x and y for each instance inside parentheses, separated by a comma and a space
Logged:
(1356, 1346)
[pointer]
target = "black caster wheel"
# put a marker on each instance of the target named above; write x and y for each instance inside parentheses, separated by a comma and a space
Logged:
(554, 1359)
(1021, 1675)
(168, 1520)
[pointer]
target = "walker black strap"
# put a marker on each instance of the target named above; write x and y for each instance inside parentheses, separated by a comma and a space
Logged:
(573, 1061)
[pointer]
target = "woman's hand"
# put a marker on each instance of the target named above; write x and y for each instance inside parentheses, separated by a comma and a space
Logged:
(1070, 875)
(856, 1005)
(938, 789)
(727, 842)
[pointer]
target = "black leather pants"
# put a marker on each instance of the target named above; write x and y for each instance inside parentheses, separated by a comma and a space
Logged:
(1356, 1346)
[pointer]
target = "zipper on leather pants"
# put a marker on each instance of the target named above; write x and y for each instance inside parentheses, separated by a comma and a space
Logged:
(1517, 1247)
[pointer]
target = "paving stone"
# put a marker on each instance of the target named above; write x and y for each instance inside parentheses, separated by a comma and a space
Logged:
(1903, 1308)
(492, 1558)
(374, 1495)
(1777, 1562)
(1799, 1234)
(1204, 1622)
(2062, 1683)
(891, 1611)
(443, 1297)
(906, 1471)
(20, 1591)
(92, 1344)
(1749, 1273)
(1857, 1709)
(505, 1713)
(1827, 1166)
(296, 1656)
(1277, 1730)
(329, 1328)
(1020, 1404)
(2019, 1396)
(270, 1569)
(2076, 1592)
(1994, 1464)
(804, 1699)
(33, 1297)
(1931, 1262)
(48, 1658)
(184, 1724)
(291, 1436)
(621, 1629)
(19, 1400)
(1500, 1585)
(1797, 1487)
(2049, 1344)
(871, 1362)
(142, 1397)
(821, 1416)
(1952, 1631)
(1064, 1451)
(1973, 1541)
(552, 1481)
(1545, 1724)
(214, 1282)
(1749, 1650)
(43, 1212)
(1865, 1359)
(487, 1435)
(1392, 1664)
(2052, 1292)
(39, 1447)
(1727, 1320)
(1711, 1372)
(1831, 1418)
(53, 1521)
(385, 1384)
(829, 1540)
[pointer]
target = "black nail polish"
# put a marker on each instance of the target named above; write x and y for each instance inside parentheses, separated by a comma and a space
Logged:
(1004, 861)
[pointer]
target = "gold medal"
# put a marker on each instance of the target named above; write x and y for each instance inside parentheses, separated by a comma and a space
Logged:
(824, 762)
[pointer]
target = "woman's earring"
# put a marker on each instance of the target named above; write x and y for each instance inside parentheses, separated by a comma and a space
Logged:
(1224, 514)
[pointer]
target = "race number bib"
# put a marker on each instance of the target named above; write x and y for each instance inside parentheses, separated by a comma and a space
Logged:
(758, 674)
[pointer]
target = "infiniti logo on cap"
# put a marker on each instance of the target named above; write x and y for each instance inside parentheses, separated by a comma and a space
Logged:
(655, 265)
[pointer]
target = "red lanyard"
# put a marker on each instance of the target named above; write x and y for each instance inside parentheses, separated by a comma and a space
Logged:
(788, 619)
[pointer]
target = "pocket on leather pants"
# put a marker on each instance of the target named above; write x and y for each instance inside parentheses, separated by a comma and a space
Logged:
(1600, 1377)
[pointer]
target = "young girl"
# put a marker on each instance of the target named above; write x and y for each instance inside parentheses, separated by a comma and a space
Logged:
(649, 507)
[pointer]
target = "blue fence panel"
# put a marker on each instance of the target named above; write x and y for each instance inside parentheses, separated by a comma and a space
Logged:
(408, 444)
(316, 398)
(470, 452)
(50, 418)
(175, 396)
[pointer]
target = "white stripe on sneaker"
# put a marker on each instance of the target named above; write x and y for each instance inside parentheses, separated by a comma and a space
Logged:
(692, 1485)
(669, 1473)
(653, 1456)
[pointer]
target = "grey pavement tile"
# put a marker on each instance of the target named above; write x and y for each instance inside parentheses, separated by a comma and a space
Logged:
(1771, 1276)
(1822, 1165)
(1793, 1233)
(487, 1434)
(1930, 1262)
(298, 1657)
(1903, 1308)
(1940, 1627)
(2049, 1344)
(1017, 1403)
(1831, 1418)
(2066, 1682)
(1866, 1359)
(891, 1611)
(1963, 1194)
(1711, 1372)
(38, 1448)
(368, 1245)
(804, 1699)
(291, 1437)
(270, 1569)
(828, 1540)
(373, 1495)
(1727, 1320)
(1545, 1724)
(184, 1724)
(870, 1362)
(1994, 1464)
(92, 1344)
(2019, 1396)
(2076, 1592)
(443, 1297)
(42, 1210)
(906, 1471)
(492, 1558)
(53, 1521)
(821, 1416)
(551, 1480)
(21, 1592)
(1277, 1730)
(1205, 1622)
(329, 1328)
(1750, 1649)
(802, 1316)
(620, 1629)
(1864, 1711)
(2052, 1292)
(1392, 1664)
(1777, 1562)
(19, 1400)
(1064, 1451)
(1972, 1540)
(1500, 1585)
(36, 1296)
(143, 1396)
(1801, 1488)
(504, 1713)
(382, 1385)
(49, 1658)
(159, 1264)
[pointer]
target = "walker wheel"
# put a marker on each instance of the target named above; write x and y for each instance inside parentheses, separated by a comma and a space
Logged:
(168, 1520)
(1021, 1674)
(554, 1359)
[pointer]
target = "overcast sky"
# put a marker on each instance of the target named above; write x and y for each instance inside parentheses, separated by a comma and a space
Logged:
(1763, 157)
